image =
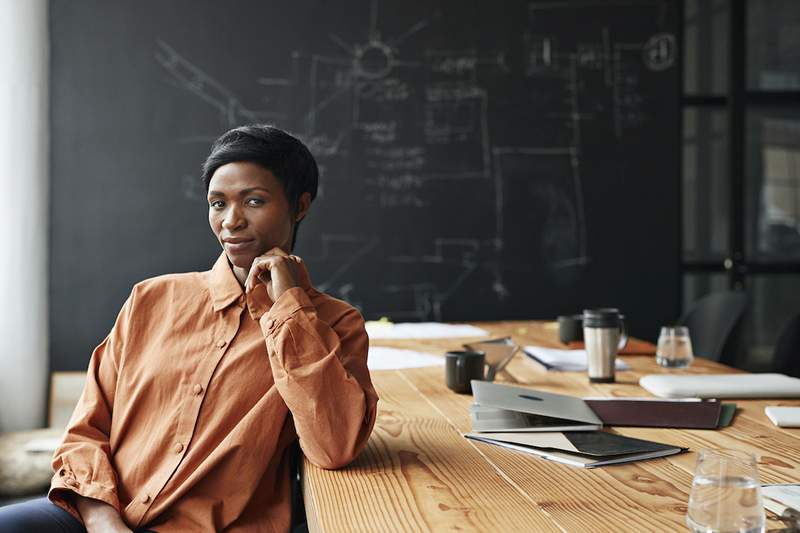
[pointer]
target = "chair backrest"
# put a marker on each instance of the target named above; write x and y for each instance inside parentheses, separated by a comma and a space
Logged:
(714, 322)
(786, 358)
(298, 520)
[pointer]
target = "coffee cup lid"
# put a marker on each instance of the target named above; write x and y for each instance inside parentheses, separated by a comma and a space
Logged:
(602, 317)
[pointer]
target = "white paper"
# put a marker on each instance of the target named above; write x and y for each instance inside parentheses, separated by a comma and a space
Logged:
(778, 497)
(566, 360)
(383, 358)
(421, 330)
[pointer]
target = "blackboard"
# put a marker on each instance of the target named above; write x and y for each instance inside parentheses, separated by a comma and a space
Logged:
(479, 160)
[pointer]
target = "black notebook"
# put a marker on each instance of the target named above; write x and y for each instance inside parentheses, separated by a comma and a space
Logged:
(585, 449)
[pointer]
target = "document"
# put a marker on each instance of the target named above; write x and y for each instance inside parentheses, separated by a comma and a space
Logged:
(584, 449)
(384, 358)
(421, 330)
(783, 500)
(564, 360)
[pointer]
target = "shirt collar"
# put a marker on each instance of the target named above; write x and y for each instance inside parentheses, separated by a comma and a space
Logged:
(222, 283)
(225, 288)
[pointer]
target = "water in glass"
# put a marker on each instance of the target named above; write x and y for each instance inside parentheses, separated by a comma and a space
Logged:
(674, 347)
(726, 495)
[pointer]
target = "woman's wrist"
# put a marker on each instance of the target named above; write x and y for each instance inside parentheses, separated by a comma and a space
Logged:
(98, 515)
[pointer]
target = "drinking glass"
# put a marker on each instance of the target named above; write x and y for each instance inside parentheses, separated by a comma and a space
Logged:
(674, 347)
(726, 494)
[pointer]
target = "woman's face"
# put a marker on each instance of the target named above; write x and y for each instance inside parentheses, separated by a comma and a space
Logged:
(249, 213)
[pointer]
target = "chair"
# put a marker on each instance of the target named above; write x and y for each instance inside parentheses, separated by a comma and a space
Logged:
(714, 323)
(786, 358)
(298, 523)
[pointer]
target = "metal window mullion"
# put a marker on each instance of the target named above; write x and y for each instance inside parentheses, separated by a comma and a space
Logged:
(679, 38)
(737, 139)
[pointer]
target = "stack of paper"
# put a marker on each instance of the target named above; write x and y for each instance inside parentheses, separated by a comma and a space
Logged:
(564, 360)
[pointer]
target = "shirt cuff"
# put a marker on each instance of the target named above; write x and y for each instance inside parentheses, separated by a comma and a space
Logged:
(64, 486)
(288, 303)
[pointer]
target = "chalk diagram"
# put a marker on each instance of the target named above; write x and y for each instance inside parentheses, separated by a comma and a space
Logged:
(410, 133)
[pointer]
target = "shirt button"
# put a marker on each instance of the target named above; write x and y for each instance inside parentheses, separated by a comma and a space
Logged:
(178, 447)
(270, 323)
(198, 389)
(144, 498)
(221, 343)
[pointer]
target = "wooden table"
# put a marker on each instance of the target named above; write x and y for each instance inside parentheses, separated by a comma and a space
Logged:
(419, 474)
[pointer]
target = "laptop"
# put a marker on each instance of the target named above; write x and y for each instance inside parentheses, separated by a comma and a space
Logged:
(503, 407)
(722, 386)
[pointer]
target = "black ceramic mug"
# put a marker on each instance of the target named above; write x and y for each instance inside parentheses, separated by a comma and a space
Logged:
(570, 328)
(461, 366)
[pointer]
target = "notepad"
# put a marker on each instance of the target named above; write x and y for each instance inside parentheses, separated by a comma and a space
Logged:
(564, 360)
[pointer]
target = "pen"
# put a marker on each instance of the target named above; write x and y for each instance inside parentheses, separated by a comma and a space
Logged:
(545, 365)
(792, 516)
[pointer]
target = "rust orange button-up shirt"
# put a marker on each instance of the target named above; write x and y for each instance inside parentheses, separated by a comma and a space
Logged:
(192, 402)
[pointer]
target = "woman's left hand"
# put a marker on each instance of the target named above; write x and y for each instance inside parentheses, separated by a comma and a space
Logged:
(276, 270)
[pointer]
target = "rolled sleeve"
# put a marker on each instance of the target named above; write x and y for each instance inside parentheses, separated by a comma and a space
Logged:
(82, 463)
(320, 370)
(67, 483)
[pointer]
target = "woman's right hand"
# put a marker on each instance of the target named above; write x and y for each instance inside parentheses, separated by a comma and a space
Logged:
(99, 516)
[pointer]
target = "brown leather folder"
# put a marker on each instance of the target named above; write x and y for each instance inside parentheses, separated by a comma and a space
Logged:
(657, 413)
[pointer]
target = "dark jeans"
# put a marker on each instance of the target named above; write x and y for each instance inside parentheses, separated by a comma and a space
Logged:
(41, 516)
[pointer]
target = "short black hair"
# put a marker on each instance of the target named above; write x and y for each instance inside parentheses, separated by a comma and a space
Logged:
(274, 149)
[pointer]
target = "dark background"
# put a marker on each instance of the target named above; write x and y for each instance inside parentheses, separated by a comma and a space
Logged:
(477, 163)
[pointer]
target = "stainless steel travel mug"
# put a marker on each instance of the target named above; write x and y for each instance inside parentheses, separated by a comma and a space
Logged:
(603, 334)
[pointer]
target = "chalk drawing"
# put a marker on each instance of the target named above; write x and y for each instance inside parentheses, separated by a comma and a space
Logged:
(419, 122)
(659, 51)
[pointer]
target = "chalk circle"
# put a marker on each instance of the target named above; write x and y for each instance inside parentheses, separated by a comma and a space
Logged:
(659, 52)
(373, 60)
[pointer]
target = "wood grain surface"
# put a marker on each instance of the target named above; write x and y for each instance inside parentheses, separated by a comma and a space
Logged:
(418, 473)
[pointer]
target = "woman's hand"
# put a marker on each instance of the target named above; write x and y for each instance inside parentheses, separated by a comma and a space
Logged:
(276, 269)
(99, 516)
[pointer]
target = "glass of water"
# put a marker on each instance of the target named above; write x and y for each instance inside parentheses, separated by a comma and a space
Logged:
(674, 347)
(726, 494)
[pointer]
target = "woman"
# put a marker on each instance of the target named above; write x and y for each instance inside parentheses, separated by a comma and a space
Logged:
(194, 400)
